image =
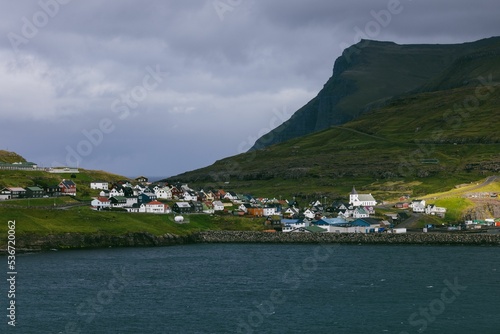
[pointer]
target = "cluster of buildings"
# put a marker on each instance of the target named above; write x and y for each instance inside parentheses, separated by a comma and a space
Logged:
(64, 188)
(420, 206)
(145, 197)
(350, 217)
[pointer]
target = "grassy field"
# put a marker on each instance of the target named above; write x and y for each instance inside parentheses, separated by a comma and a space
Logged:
(85, 220)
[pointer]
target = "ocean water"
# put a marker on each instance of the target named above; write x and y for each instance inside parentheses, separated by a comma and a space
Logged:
(255, 288)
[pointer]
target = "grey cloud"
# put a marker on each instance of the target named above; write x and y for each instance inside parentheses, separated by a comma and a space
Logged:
(224, 77)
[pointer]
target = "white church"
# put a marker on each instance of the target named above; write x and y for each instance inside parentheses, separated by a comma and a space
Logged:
(356, 199)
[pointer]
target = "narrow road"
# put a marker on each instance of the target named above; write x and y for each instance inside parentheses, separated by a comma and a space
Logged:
(489, 180)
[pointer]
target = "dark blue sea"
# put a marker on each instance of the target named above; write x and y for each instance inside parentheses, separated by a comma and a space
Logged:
(255, 288)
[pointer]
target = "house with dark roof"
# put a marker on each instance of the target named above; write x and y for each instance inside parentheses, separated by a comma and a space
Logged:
(141, 179)
(34, 192)
(182, 207)
(367, 225)
(68, 187)
(52, 191)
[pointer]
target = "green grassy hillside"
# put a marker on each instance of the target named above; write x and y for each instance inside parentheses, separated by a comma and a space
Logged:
(416, 144)
(86, 221)
(21, 178)
(10, 157)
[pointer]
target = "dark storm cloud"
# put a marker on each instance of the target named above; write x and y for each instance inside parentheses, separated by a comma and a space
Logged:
(230, 71)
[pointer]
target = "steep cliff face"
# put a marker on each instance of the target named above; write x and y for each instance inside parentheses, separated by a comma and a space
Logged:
(371, 72)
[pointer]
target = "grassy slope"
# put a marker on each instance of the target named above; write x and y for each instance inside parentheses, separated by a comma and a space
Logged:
(86, 221)
(381, 152)
(10, 178)
(10, 157)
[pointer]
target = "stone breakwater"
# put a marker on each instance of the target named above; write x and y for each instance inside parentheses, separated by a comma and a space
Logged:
(78, 240)
(30, 242)
(347, 238)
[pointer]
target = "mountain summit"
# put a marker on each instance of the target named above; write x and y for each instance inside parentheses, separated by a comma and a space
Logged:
(371, 72)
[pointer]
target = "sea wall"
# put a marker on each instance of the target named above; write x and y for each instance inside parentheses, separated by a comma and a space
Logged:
(78, 240)
(347, 238)
(29, 242)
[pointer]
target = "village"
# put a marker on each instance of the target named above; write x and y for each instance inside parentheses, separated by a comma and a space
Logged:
(353, 216)
(139, 196)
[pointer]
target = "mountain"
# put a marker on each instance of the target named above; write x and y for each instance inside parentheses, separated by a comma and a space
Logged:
(371, 72)
(406, 119)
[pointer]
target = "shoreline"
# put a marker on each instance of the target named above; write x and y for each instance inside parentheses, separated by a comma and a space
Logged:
(34, 242)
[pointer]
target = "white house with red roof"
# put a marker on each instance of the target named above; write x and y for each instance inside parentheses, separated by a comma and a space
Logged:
(99, 203)
(154, 207)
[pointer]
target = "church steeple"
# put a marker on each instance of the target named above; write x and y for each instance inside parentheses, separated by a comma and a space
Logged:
(353, 197)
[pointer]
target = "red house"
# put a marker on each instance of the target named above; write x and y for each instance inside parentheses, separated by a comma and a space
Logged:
(68, 188)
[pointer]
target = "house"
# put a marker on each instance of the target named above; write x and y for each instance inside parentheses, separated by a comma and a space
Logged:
(104, 193)
(141, 179)
(360, 212)
(182, 207)
(135, 208)
(52, 191)
(100, 185)
(435, 210)
(116, 191)
(14, 192)
(164, 193)
(177, 193)
(68, 187)
(402, 205)
(34, 192)
(208, 207)
(146, 198)
(361, 199)
(131, 201)
(118, 201)
(196, 206)
(418, 205)
(294, 225)
(127, 191)
(155, 207)
(208, 195)
(308, 213)
(190, 195)
(218, 206)
(138, 189)
(244, 207)
(5, 194)
(100, 203)
(340, 205)
(255, 211)
(232, 196)
(268, 211)
(291, 213)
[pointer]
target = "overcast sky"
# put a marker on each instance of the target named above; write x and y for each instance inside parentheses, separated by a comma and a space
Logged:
(164, 86)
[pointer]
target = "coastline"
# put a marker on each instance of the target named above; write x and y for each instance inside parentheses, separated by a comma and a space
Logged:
(34, 242)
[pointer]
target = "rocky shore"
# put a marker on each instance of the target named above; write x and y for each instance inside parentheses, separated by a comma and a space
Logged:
(31, 242)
